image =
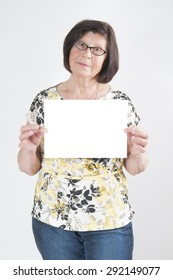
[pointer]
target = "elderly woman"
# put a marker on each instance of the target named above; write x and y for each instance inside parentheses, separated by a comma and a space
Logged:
(81, 208)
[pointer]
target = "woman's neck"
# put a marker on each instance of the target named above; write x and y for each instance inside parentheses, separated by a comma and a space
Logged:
(82, 88)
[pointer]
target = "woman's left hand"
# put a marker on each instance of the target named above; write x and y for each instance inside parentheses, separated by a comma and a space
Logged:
(137, 157)
(137, 141)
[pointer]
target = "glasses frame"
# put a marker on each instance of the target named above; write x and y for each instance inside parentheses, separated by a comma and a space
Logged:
(88, 47)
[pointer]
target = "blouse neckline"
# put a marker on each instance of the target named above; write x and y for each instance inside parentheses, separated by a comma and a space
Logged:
(101, 97)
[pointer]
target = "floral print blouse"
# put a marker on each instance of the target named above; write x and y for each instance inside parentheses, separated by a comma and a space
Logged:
(81, 194)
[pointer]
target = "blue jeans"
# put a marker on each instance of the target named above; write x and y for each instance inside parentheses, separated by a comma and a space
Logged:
(57, 244)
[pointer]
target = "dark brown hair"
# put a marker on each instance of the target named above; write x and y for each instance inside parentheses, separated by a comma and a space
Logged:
(111, 63)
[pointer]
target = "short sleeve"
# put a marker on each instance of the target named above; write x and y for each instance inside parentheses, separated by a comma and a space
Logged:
(36, 110)
(133, 117)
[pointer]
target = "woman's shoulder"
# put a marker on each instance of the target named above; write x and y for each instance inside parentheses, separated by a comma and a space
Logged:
(133, 117)
(36, 110)
(49, 93)
(117, 94)
(113, 93)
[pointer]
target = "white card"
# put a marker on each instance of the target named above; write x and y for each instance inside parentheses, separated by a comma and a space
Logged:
(85, 128)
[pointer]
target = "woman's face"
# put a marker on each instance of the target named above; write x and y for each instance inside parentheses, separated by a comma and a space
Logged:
(83, 63)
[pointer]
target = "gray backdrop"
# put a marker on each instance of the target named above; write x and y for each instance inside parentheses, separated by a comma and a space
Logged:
(32, 34)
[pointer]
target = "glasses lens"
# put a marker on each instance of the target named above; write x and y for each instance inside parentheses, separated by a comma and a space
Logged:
(81, 45)
(97, 51)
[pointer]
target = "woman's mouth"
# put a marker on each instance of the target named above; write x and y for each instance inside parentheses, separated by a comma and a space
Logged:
(84, 64)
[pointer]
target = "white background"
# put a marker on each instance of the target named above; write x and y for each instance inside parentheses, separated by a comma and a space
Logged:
(32, 34)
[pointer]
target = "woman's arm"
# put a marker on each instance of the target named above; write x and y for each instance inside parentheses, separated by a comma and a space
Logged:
(137, 159)
(29, 158)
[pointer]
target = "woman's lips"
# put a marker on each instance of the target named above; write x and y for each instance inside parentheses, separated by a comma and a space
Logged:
(83, 64)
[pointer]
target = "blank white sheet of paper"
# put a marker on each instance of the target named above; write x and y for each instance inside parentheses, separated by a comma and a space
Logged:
(85, 128)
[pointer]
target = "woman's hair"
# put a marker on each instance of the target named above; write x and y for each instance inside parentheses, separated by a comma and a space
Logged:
(111, 62)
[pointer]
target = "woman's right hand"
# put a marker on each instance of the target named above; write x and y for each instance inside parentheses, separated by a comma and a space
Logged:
(30, 137)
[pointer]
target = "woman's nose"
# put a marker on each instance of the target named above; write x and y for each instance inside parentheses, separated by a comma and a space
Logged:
(87, 53)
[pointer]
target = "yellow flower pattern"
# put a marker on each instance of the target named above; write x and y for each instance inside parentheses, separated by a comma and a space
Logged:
(81, 194)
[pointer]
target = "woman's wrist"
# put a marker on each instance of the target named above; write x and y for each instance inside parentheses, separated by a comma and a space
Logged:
(29, 162)
(136, 163)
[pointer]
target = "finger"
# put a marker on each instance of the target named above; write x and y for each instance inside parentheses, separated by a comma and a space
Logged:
(137, 149)
(26, 135)
(136, 131)
(29, 126)
(38, 133)
(139, 141)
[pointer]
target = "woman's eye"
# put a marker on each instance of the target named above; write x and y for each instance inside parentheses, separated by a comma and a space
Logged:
(81, 44)
(97, 50)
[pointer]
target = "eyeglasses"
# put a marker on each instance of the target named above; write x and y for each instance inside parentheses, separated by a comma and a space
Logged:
(80, 45)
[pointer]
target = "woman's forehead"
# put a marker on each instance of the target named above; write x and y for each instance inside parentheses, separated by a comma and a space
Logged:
(93, 38)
